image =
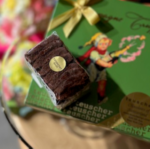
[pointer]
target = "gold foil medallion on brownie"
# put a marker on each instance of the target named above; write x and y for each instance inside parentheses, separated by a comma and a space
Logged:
(57, 63)
(135, 109)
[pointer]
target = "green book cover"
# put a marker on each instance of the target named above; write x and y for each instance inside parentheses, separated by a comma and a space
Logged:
(120, 89)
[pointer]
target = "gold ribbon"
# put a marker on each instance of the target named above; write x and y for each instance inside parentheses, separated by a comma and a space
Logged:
(74, 15)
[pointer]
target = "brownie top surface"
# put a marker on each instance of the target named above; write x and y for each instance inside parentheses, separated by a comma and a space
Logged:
(64, 83)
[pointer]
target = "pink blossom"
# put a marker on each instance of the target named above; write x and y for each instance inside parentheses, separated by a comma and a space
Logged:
(7, 90)
(129, 38)
(138, 53)
(125, 53)
(32, 23)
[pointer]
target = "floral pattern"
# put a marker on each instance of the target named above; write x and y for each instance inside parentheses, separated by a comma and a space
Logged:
(28, 21)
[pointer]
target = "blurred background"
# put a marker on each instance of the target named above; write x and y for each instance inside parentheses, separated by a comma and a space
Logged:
(23, 24)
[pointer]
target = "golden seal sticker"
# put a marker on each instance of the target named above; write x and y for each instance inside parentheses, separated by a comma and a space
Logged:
(135, 109)
(57, 63)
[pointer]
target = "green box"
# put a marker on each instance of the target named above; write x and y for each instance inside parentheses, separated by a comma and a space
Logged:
(124, 25)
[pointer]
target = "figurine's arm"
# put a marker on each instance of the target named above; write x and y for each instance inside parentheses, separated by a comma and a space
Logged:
(96, 59)
(86, 55)
(104, 64)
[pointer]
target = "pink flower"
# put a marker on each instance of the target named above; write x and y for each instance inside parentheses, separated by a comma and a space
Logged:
(8, 32)
(125, 53)
(36, 37)
(7, 90)
(32, 24)
(41, 11)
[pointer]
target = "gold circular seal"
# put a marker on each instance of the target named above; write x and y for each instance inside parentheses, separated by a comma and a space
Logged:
(135, 109)
(57, 63)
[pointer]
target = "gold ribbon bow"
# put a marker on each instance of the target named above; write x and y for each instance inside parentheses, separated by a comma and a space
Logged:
(74, 15)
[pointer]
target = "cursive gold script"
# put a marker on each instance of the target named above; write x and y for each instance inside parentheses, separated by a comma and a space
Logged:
(138, 21)
(57, 64)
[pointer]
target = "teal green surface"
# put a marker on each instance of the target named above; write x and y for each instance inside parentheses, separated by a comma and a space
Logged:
(118, 20)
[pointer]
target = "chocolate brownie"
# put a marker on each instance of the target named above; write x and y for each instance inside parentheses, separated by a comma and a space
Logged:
(65, 83)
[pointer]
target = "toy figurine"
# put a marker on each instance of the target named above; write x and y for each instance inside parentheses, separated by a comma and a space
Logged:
(97, 59)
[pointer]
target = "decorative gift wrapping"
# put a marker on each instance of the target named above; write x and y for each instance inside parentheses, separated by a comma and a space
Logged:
(114, 51)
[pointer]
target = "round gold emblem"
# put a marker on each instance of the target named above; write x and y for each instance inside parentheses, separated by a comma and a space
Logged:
(135, 109)
(57, 63)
